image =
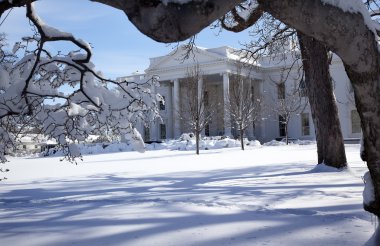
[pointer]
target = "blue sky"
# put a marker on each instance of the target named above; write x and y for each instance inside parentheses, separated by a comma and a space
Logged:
(119, 48)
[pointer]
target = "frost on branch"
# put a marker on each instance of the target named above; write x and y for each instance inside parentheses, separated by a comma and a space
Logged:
(62, 96)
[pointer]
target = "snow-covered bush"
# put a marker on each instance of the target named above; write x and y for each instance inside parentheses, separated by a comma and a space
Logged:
(274, 143)
(187, 137)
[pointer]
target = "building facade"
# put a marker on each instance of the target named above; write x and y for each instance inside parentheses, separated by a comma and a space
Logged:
(273, 81)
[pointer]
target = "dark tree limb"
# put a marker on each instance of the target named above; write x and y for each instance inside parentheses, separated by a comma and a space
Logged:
(172, 22)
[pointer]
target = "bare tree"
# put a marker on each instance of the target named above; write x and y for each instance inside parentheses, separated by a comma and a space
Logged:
(289, 101)
(243, 105)
(197, 110)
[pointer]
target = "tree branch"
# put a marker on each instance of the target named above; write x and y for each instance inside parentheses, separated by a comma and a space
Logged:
(173, 21)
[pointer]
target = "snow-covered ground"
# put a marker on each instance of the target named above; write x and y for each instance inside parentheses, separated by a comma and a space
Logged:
(269, 195)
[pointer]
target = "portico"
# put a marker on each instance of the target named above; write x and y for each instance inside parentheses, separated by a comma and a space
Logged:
(216, 66)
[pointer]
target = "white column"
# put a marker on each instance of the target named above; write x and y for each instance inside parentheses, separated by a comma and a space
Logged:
(263, 113)
(169, 114)
(251, 132)
(200, 96)
(176, 109)
(153, 124)
(227, 117)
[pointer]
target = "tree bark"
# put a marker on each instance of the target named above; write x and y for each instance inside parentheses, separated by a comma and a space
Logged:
(241, 138)
(172, 22)
(330, 144)
(367, 97)
(286, 132)
(197, 141)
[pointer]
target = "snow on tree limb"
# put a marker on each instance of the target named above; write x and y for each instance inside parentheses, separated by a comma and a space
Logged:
(32, 94)
(242, 17)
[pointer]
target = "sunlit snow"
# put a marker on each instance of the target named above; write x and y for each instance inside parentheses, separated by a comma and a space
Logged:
(267, 195)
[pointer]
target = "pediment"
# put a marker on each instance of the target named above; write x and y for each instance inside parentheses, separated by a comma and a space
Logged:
(176, 59)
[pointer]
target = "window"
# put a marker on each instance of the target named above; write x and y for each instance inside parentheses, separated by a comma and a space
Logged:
(355, 122)
(205, 98)
(207, 130)
(162, 131)
(305, 124)
(282, 125)
(162, 104)
(146, 133)
(252, 93)
(281, 91)
(302, 88)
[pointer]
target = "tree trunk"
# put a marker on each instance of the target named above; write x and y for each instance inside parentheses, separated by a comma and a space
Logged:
(286, 133)
(241, 138)
(330, 144)
(367, 97)
(197, 132)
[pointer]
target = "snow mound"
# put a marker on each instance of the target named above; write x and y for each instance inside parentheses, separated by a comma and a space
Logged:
(254, 143)
(187, 137)
(291, 142)
(185, 143)
(323, 168)
(94, 148)
(303, 142)
(274, 143)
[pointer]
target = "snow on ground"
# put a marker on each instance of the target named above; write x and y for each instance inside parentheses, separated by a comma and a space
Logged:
(267, 195)
(184, 143)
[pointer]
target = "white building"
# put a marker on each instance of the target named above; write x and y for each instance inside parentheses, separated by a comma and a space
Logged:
(217, 65)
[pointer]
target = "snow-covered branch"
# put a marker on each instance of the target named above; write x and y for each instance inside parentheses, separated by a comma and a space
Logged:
(242, 16)
(62, 96)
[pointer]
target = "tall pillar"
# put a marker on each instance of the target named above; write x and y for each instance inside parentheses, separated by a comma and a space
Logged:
(176, 109)
(227, 116)
(153, 124)
(251, 130)
(169, 112)
(200, 101)
(262, 113)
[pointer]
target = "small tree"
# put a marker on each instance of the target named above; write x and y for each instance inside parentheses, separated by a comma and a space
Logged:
(196, 108)
(289, 102)
(243, 106)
